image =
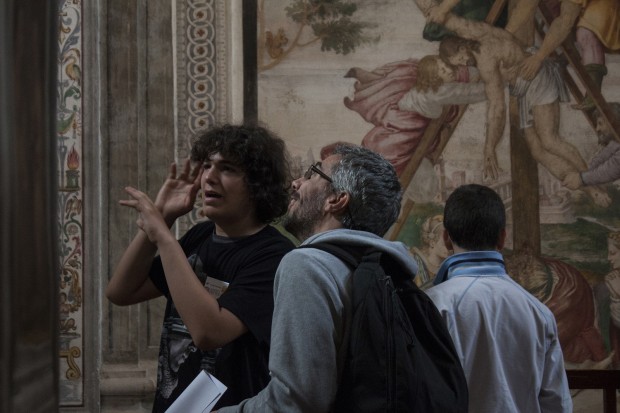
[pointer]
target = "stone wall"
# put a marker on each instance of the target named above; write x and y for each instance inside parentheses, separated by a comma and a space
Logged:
(147, 76)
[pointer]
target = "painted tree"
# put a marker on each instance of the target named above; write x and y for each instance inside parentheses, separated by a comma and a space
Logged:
(329, 22)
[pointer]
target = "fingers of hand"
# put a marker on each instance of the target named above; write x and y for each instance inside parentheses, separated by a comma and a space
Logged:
(132, 203)
(196, 170)
(140, 202)
(197, 175)
(136, 194)
(186, 169)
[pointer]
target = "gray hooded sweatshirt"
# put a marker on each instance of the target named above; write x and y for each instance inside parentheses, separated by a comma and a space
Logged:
(311, 324)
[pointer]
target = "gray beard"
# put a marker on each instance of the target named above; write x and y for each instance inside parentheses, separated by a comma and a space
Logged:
(302, 222)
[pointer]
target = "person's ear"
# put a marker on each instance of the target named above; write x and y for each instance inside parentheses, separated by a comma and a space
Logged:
(338, 203)
(447, 241)
(501, 240)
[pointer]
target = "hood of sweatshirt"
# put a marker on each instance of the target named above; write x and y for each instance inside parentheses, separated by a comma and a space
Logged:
(397, 250)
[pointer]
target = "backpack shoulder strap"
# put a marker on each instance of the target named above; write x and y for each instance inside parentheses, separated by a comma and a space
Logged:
(351, 255)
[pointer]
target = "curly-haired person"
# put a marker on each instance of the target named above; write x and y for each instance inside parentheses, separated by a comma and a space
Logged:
(218, 278)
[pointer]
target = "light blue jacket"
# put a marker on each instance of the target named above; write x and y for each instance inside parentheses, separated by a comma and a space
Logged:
(311, 324)
(507, 339)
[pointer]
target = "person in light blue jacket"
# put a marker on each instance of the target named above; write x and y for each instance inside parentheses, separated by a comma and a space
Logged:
(507, 340)
(352, 197)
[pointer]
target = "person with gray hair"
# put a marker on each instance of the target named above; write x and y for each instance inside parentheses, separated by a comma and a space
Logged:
(352, 197)
(605, 165)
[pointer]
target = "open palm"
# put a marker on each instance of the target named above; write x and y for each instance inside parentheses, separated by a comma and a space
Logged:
(178, 193)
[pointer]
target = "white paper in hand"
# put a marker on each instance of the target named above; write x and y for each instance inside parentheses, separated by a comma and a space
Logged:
(200, 396)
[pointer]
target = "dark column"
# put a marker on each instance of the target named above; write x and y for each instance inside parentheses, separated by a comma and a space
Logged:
(28, 256)
(250, 65)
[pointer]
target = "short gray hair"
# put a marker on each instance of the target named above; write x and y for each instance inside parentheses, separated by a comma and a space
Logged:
(373, 187)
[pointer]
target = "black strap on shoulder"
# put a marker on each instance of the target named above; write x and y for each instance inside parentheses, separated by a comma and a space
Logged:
(350, 254)
(353, 255)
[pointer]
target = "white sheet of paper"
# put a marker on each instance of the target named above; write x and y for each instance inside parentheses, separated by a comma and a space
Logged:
(215, 287)
(200, 396)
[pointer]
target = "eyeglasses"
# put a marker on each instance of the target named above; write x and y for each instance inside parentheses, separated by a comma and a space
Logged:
(315, 169)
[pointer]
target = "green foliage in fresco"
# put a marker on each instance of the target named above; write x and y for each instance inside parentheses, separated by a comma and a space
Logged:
(582, 243)
(331, 22)
(587, 236)
(411, 233)
(609, 216)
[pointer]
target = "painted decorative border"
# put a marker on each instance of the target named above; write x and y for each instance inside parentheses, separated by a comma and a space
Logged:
(201, 75)
(70, 202)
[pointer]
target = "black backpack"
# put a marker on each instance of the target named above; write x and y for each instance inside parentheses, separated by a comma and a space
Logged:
(401, 357)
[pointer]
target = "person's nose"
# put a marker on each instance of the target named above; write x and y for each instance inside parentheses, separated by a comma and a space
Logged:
(209, 175)
(297, 183)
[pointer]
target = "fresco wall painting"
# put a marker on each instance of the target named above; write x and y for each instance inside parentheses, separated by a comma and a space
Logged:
(318, 86)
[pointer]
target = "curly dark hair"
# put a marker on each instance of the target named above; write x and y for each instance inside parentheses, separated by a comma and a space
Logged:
(261, 154)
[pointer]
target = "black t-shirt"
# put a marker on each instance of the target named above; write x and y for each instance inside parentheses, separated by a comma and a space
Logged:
(248, 265)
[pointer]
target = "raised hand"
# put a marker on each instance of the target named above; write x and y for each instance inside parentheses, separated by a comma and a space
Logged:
(150, 219)
(177, 195)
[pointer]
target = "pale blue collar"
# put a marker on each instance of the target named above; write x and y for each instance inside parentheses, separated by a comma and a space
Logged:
(471, 263)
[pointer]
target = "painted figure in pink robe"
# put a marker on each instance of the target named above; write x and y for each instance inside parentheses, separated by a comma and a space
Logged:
(396, 133)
